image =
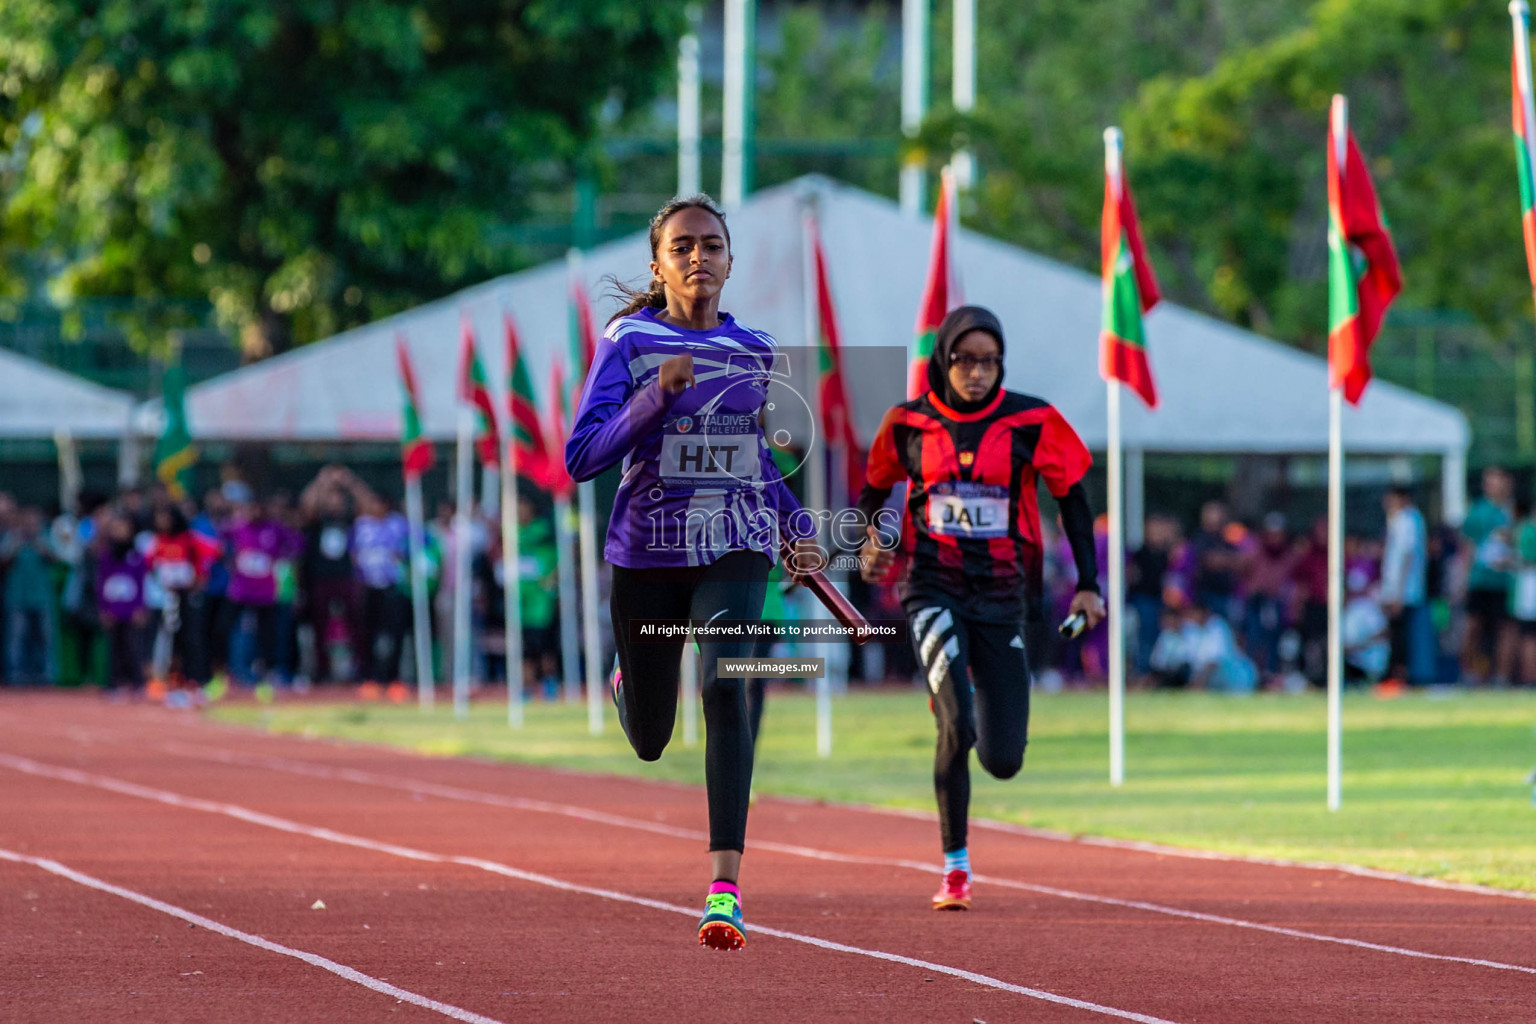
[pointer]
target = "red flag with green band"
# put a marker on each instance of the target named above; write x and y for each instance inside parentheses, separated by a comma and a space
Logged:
(1363, 272)
(416, 453)
(525, 434)
(836, 412)
(1524, 131)
(1130, 289)
(940, 294)
(560, 483)
(475, 390)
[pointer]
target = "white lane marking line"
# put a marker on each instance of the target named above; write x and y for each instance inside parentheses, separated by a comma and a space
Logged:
(313, 959)
(424, 788)
(1047, 835)
(30, 767)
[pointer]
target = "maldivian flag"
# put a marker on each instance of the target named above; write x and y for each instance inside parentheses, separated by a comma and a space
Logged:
(1363, 272)
(836, 411)
(1525, 134)
(416, 454)
(1130, 289)
(175, 454)
(525, 434)
(940, 293)
(560, 483)
(474, 389)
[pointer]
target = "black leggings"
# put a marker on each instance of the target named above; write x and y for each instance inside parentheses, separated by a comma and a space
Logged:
(731, 587)
(979, 678)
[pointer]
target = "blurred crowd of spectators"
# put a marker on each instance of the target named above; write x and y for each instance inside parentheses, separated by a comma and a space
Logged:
(245, 589)
(1238, 607)
(141, 590)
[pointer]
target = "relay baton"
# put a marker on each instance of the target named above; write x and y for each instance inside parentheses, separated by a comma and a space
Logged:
(1074, 626)
(832, 599)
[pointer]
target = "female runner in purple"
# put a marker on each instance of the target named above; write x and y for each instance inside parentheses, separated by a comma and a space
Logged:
(676, 392)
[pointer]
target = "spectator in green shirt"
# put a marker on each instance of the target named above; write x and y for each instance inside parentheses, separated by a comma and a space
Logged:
(1487, 532)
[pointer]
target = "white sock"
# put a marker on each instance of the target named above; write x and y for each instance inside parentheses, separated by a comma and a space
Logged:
(960, 860)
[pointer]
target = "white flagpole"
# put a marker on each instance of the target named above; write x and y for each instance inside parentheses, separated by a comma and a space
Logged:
(1116, 595)
(1339, 134)
(461, 544)
(816, 483)
(914, 99)
(587, 529)
(690, 693)
(740, 62)
(512, 619)
(570, 642)
(1116, 553)
(425, 681)
(963, 87)
(689, 109)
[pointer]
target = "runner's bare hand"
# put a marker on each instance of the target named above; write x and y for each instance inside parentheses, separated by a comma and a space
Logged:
(875, 560)
(676, 374)
(1090, 604)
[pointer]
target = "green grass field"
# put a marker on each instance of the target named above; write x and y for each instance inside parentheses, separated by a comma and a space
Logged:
(1432, 785)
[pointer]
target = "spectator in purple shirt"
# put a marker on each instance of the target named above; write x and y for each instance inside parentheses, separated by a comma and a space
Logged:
(120, 572)
(256, 543)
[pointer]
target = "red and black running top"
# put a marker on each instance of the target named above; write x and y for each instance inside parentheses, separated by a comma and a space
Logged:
(971, 527)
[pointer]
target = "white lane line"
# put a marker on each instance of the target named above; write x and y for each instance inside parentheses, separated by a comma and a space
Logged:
(992, 824)
(423, 788)
(313, 959)
(30, 767)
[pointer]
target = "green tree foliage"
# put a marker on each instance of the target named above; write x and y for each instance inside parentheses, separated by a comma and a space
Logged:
(1230, 163)
(305, 165)
(835, 96)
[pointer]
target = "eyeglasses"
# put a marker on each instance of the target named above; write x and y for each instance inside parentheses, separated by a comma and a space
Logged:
(986, 364)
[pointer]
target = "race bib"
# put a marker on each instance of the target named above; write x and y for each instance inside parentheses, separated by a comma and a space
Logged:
(255, 564)
(176, 575)
(710, 451)
(120, 588)
(965, 509)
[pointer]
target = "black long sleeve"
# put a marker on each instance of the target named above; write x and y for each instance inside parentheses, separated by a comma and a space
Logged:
(1077, 522)
(871, 500)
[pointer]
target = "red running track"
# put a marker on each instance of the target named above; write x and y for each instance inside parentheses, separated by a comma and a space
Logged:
(157, 867)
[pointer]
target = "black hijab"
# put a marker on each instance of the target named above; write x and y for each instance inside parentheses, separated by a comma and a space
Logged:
(955, 326)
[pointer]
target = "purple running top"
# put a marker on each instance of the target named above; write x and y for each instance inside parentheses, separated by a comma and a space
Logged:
(699, 480)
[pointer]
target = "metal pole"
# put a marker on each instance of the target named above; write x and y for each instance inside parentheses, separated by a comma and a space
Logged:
(964, 85)
(512, 618)
(461, 543)
(1335, 597)
(1340, 132)
(690, 119)
(587, 530)
(740, 79)
(570, 642)
(690, 693)
(914, 99)
(1116, 559)
(422, 632)
(816, 484)
(1116, 553)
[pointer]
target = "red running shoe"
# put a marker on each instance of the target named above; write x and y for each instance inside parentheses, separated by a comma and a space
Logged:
(955, 893)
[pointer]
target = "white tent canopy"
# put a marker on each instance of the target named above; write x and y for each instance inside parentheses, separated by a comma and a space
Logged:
(1223, 389)
(37, 401)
